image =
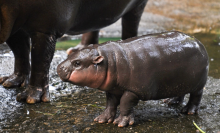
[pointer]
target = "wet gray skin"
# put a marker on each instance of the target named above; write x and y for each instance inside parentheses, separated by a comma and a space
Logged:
(73, 108)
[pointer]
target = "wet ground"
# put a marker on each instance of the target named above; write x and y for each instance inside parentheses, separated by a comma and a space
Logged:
(73, 108)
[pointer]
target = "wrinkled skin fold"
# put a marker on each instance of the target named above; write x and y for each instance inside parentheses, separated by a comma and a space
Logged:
(151, 67)
(43, 22)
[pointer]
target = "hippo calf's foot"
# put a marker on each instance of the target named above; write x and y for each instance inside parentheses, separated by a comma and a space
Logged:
(122, 121)
(15, 80)
(34, 95)
(190, 110)
(107, 116)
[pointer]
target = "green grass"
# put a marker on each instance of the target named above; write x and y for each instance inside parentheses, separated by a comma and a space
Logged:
(64, 45)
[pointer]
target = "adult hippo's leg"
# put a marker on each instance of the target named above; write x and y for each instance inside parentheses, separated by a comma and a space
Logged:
(127, 102)
(112, 101)
(20, 46)
(43, 47)
(90, 38)
(130, 21)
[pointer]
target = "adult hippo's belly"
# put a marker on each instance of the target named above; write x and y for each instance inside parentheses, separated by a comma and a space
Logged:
(91, 17)
(44, 22)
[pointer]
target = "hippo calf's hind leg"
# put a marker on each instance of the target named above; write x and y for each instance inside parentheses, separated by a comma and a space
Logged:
(43, 47)
(112, 101)
(127, 102)
(20, 46)
(194, 101)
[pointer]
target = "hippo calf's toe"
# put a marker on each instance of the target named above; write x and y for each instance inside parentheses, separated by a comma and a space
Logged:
(150, 67)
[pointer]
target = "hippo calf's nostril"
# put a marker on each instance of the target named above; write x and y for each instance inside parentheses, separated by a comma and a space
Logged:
(64, 70)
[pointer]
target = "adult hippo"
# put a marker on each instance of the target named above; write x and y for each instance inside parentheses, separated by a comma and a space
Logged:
(150, 67)
(43, 21)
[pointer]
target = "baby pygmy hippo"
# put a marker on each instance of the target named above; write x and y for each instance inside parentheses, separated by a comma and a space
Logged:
(150, 67)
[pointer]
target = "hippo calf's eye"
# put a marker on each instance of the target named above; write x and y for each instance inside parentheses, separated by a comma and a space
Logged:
(76, 64)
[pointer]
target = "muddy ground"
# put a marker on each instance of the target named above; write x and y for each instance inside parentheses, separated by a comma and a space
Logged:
(73, 108)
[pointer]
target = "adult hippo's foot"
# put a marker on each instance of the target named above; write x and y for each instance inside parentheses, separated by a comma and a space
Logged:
(122, 121)
(3, 79)
(107, 116)
(15, 80)
(34, 95)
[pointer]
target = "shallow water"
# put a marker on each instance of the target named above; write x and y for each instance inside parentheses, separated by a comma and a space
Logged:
(212, 44)
(73, 108)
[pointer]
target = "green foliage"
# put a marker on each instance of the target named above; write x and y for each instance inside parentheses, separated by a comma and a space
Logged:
(64, 45)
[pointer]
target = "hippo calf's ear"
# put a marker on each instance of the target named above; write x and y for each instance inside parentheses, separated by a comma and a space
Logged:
(98, 59)
(73, 49)
(69, 51)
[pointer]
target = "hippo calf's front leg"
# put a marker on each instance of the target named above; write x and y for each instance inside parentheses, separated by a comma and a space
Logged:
(111, 107)
(43, 47)
(127, 102)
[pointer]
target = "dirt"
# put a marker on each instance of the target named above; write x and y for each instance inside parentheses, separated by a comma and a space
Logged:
(188, 15)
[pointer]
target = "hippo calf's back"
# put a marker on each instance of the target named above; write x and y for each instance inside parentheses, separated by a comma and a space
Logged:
(158, 66)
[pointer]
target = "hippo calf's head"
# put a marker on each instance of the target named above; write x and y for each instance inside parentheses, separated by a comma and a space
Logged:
(83, 67)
